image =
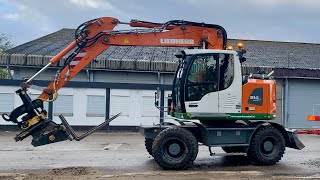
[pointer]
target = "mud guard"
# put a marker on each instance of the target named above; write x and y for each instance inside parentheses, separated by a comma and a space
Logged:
(293, 140)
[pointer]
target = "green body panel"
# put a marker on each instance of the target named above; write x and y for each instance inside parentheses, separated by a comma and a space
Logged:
(223, 116)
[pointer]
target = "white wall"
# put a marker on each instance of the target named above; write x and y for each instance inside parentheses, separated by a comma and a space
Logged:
(80, 106)
(137, 106)
(16, 100)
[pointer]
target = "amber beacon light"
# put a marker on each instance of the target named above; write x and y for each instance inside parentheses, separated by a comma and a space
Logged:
(240, 45)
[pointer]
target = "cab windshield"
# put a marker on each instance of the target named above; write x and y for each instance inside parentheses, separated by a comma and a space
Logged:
(178, 83)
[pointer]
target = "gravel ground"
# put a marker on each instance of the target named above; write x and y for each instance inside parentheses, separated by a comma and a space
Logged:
(123, 156)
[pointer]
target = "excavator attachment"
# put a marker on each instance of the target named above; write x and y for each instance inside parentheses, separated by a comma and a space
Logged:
(34, 122)
(59, 132)
(47, 131)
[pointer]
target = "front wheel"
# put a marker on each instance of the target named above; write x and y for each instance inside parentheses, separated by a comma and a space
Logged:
(175, 148)
(267, 146)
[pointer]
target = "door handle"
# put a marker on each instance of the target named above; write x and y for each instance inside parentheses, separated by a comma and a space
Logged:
(193, 105)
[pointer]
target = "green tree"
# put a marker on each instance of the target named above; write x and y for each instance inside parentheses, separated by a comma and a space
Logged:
(4, 74)
(5, 44)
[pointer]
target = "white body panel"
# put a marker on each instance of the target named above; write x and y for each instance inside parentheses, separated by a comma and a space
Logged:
(207, 104)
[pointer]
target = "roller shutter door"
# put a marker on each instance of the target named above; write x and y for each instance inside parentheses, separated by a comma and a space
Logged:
(303, 99)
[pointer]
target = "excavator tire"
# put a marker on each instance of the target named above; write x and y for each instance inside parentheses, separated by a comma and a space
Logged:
(148, 144)
(267, 146)
(175, 148)
(235, 149)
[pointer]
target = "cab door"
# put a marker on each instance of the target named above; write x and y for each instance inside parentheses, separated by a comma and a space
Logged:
(201, 87)
(230, 83)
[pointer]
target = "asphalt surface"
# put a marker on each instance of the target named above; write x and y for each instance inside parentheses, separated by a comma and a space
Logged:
(123, 156)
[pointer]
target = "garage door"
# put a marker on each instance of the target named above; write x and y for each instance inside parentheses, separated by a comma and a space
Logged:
(303, 100)
(137, 107)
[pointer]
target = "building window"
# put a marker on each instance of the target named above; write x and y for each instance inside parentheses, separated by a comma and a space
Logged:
(6, 102)
(148, 107)
(96, 106)
(120, 104)
(63, 105)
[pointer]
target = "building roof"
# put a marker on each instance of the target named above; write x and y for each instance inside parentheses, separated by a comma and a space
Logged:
(270, 54)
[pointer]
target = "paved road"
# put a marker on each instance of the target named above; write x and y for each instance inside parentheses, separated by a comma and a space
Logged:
(123, 156)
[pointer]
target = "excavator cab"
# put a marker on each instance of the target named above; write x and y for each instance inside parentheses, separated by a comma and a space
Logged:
(208, 86)
(204, 80)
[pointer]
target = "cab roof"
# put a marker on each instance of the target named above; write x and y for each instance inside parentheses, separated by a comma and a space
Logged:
(207, 51)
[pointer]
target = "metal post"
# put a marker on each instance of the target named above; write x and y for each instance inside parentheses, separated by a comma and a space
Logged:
(50, 110)
(107, 110)
(282, 104)
(162, 107)
(286, 110)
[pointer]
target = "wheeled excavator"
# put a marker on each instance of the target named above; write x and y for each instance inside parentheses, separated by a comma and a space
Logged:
(212, 103)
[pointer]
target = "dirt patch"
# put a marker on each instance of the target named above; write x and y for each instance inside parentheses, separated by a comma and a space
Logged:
(12, 176)
(313, 163)
(72, 171)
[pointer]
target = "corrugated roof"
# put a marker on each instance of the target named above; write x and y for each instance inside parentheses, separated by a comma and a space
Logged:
(259, 53)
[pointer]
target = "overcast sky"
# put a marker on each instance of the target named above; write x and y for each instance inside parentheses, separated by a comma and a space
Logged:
(275, 20)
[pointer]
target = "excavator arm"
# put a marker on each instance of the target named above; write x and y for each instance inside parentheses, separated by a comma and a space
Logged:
(91, 39)
(99, 35)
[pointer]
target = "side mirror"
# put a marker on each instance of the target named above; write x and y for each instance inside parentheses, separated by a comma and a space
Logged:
(243, 59)
(241, 53)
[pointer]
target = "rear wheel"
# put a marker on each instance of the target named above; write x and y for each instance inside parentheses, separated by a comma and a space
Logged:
(235, 149)
(148, 144)
(267, 146)
(175, 148)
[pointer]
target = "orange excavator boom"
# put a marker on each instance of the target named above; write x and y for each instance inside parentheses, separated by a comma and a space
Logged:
(95, 36)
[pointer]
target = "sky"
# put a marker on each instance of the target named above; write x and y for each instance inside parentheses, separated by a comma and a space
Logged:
(271, 20)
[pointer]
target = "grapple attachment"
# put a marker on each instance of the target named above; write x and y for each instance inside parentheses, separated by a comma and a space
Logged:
(34, 122)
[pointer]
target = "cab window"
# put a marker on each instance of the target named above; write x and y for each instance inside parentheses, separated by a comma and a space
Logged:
(209, 73)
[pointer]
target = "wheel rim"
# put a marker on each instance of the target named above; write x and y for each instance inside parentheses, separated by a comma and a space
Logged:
(174, 149)
(268, 146)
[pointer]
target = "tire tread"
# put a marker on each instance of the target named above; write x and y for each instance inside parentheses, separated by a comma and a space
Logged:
(148, 144)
